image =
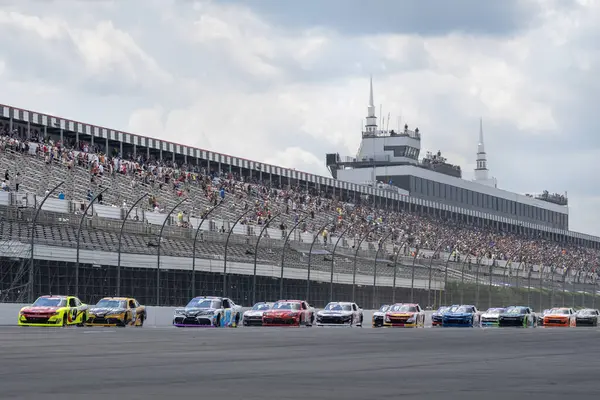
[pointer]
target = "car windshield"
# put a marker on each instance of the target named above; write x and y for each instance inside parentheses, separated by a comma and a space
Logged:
(50, 302)
(338, 307)
(109, 303)
(463, 309)
(261, 307)
(516, 310)
(403, 308)
(494, 311)
(286, 306)
(204, 303)
(384, 308)
(559, 311)
(442, 310)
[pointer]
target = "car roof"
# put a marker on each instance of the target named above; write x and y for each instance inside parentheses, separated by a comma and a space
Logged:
(341, 302)
(53, 296)
(290, 301)
(209, 297)
(117, 298)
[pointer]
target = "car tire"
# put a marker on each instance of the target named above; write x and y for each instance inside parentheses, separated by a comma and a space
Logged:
(142, 320)
(64, 322)
(218, 323)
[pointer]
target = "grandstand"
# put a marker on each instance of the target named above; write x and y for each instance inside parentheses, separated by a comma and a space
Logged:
(415, 248)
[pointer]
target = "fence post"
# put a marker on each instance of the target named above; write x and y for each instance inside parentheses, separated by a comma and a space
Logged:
(204, 218)
(120, 240)
(436, 251)
(333, 260)
(264, 228)
(310, 257)
(33, 226)
(227, 247)
(379, 247)
(412, 279)
(356, 260)
(79, 238)
(287, 239)
(158, 251)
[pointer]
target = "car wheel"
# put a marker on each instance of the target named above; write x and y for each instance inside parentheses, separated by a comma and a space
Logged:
(218, 323)
(65, 322)
(237, 320)
(361, 320)
(142, 320)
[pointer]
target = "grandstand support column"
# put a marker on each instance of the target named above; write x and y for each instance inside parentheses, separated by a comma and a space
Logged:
(264, 228)
(204, 218)
(446, 274)
(356, 259)
(321, 229)
(583, 292)
(594, 281)
(333, 259)
(379, 247)
(529, 272)
(552, 286)
(121, 238)
(478, 266)
(412, 276)
(227, 246)
(158, 250)
(436, 252)
(564, 285)
(542, 269)
(491, 283)
(404, 243)
(287, 239)
(79, 236)
(33, 226)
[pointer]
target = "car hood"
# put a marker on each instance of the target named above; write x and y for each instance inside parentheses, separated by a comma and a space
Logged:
(255, 313)
(334, 313)
(400, 314)
(512, 315)
(486, 315)
(282, 312)
(196, 311)
(106, 310)
(557, 315)
(40, 310)
(458, 314)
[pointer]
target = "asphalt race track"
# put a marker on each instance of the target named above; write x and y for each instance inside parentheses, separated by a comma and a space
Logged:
(298, 363)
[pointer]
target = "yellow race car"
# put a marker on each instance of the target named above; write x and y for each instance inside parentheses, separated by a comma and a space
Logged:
(116, 311)
(54, 311)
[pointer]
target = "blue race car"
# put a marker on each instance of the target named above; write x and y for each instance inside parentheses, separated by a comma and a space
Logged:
(518, 316)
(462, 316)
(436, 317)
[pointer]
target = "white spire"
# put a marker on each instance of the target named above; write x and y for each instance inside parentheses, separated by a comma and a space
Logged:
(481, 171)
(480, 146)
(371, 125)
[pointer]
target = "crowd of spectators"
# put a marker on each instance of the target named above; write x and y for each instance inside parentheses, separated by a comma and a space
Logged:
(357, 218)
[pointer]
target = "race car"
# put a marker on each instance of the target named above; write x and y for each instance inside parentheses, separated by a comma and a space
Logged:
(491, 316)
(340, 314)
(436, 317)
(208, 311)
(462, 316)
(289, 313)
(560, 316)
(404, 315)
(587, 317)
(518, 316)
(116, 311)
(253, 317)
(541, 317)
(54, 311)
(377, 320)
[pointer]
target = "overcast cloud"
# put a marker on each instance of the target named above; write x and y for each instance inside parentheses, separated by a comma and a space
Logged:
(286, 82)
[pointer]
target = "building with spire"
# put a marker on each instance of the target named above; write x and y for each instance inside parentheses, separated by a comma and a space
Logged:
(481, 169)
(389, 160)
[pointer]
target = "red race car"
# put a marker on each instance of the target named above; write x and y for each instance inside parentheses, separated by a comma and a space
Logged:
(289, 313)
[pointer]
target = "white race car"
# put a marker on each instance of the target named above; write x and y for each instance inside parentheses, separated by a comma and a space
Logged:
(379, 315)
(340, 314)
(253, 317)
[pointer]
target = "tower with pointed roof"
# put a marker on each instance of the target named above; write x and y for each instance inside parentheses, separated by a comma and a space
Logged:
(481, 170)
(371, 125)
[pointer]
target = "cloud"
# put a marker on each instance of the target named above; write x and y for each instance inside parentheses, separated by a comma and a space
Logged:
(266, 82)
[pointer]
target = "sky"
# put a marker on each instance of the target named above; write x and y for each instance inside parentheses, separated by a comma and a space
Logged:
(285, 82)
